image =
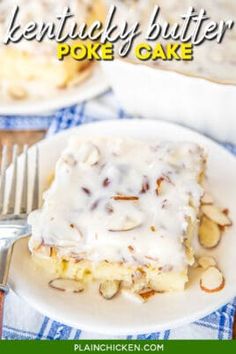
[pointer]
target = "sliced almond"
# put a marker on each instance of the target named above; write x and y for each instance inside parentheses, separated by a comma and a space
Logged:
(139, 284)
(209, 233)
(131, 248)
(86, 190)
(145, 185)
(17, 92)
(106, 182)
(67, 285)
(146, 294)
(159, 182)
(207, 199)
(44, 251)
(125, 197)
(216, 215)
(128, 225)
(89, 154)
(109, 289)
(130, 295)
(212, 280)
(206, 262)
(93, 156)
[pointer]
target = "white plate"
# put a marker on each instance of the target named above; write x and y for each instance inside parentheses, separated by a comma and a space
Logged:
(88, 311)
(92, 86)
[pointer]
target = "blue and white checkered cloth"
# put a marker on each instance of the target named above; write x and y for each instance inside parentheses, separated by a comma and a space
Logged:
(23, 322)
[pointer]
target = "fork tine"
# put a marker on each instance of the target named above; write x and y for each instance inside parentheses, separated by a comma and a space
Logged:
(35, 202)
(3, 177)
(24, 193)
(12, 193)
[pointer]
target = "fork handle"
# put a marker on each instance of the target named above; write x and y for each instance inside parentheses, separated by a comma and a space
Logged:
(6, 246)
(2, 298)
(5, 259)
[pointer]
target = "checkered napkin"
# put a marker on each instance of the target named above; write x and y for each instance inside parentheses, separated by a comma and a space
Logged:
(23, 322)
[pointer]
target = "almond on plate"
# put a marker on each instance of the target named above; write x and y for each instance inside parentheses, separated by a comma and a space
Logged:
(209, 233)
(67, 285)
(147, 293)
(207, 199)
(130, 295)
(212, 280)
(206, 262)
(109, 289)
(43, 250)
(17, 92)
(216, 214)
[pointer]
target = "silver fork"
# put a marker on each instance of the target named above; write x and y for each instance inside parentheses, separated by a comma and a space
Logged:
(13, 223)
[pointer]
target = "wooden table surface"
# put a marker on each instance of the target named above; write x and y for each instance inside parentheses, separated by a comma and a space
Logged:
(31, 137)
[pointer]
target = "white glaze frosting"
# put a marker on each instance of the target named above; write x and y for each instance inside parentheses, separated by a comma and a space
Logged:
(81, 216)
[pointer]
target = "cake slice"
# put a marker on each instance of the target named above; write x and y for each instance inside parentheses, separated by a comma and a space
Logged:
(121, 210)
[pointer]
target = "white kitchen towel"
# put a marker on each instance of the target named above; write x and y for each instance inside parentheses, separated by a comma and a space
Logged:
(23, 322)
